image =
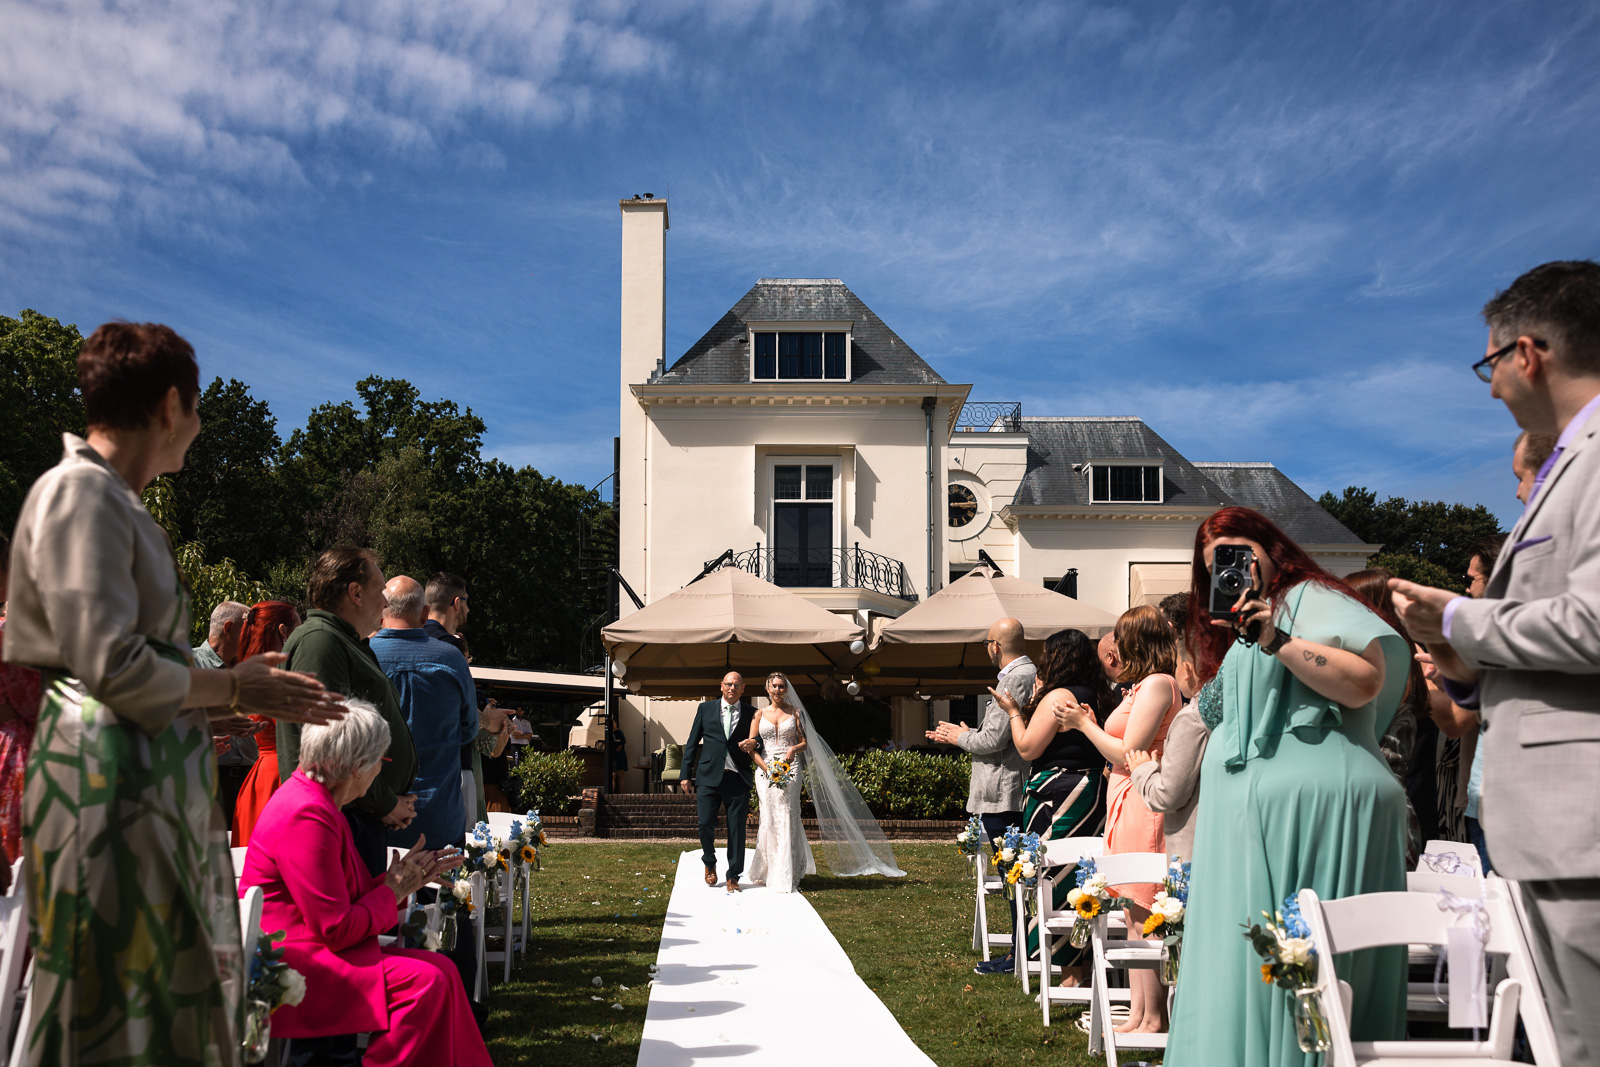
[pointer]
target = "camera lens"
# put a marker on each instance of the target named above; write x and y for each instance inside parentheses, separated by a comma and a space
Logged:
(1230, 581)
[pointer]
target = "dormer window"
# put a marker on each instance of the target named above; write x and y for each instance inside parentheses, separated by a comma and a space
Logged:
(800, 355)
(1126, 481)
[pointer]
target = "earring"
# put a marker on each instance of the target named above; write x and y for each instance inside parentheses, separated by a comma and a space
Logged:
(172, 435)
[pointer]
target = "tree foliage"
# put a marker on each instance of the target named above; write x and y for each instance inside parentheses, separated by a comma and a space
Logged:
(1425, 541)
(390, 471)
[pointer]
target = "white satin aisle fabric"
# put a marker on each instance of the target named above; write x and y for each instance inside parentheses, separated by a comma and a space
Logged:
(757, 976)
(782, 856)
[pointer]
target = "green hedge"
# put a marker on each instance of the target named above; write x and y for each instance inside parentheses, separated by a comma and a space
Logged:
(548, 781)
(902, 785)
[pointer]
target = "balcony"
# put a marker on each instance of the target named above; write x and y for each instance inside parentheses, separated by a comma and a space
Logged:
(834, 568)
(990, 416)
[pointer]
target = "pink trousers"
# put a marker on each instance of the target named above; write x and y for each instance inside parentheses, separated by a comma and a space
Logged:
(429, 1020)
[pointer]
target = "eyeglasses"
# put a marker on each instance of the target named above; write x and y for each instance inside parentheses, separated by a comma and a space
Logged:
(1484, 368)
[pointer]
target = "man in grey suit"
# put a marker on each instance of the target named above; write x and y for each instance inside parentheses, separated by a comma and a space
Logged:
(1529, 650)
(999, 773)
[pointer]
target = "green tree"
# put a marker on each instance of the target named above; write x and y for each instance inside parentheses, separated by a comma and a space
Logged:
(1425, 541)
(228, 495)
(39, 402)
(209, 583)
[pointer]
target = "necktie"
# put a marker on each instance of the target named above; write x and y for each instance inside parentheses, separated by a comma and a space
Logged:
(728, 719)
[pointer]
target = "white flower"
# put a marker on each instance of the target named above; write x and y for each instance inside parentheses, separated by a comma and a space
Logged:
(294, 986)
(430, 940)
(1295, 950)
(1028, 869)
(1074, 895)
(462, 890)
(1007, 854)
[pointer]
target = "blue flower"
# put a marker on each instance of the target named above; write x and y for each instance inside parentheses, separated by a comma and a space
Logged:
(1294, 925)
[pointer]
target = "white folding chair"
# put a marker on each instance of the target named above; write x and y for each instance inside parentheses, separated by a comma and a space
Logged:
(238, 852)
(1127, 868)
(1373, 920)
(500, 825)
(1534, 1010)
(480, 897)
(987, 882)
(1055, 926)
(1450, 857)
(13, 947)
(250, 921)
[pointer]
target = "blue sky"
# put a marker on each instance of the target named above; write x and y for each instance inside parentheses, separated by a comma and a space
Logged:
(1265, 228)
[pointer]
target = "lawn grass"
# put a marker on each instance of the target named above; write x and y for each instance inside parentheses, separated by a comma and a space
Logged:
(598, 912)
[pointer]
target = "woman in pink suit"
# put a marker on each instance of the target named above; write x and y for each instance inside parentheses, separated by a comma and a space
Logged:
(315, 887)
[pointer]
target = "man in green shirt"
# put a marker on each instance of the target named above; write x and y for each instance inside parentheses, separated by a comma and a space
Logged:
(346, 596)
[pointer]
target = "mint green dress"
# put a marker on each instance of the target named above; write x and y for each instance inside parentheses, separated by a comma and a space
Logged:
(1294, 793)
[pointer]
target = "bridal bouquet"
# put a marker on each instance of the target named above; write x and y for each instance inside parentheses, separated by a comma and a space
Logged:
(1089, 898)
(1166, 918)
(779, 772)
(1284, 943)
(970, 840)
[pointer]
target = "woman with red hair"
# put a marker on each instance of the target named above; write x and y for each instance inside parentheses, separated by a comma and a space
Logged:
(1302, 680)
(266, 628)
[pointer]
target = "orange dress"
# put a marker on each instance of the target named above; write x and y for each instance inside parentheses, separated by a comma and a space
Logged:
(1130, 824)
(259, 784)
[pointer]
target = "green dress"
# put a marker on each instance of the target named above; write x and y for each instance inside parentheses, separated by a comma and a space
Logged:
(132, 906)
(1294, 793)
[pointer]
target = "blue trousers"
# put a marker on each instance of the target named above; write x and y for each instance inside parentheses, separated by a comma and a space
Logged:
(732, 794)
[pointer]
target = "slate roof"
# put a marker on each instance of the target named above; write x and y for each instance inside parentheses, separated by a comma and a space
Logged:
(1056, 445)
(1267, 489)
(722, 356)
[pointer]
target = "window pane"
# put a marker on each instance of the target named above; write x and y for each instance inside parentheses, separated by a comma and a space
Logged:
(819, 483)
(786, 483)
(789, 355)
(811, 361)
(1127, 483)
(1102, 484)
(1152, 484)
(833, 356)
(766, 355)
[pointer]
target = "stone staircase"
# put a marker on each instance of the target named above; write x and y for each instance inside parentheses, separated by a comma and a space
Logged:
(672, 816)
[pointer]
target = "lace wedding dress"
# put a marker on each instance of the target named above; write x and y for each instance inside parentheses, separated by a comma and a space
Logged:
(782, 856)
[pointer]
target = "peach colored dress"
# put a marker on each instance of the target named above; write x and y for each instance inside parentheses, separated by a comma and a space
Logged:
(1130, 825)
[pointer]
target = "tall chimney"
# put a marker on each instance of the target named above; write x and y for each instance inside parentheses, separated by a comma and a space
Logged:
(643, 345)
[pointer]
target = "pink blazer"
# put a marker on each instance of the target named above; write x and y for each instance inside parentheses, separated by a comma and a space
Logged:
(316, 888)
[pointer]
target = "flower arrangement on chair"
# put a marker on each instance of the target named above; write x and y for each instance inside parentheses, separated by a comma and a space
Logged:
(1089, 898)
(1166, 918)
(1284, 942)
(1018, 858)
(970, 840)
(273, 984)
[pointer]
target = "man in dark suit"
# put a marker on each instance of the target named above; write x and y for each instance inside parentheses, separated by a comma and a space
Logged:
(719, 773)
(1528, 652)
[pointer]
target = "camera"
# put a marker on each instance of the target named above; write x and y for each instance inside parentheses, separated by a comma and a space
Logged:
(1232, 574)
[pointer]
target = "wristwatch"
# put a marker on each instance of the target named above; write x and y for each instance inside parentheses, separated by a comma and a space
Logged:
(1277, 642)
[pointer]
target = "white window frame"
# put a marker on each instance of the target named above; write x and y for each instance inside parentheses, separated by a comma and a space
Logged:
(1156, 462)
(774, 462)
(846, 328)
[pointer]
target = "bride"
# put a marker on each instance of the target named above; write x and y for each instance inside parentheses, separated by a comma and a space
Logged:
(852, 842)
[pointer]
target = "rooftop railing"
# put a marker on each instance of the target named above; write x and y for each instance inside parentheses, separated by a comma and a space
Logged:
(990, 416)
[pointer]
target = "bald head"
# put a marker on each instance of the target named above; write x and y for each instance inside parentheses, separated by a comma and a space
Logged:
(1110, 662)
(403, 605)
(1005, 641)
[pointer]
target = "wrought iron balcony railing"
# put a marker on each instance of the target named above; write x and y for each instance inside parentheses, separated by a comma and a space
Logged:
(990, 416)
(832, 568)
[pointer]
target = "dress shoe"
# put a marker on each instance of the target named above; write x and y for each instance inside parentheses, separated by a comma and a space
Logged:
(711, 876)
(733, 885)
(998, 965)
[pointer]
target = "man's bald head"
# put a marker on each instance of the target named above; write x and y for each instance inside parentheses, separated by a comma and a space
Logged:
(403, 604)
(1110, 662)
(1005, 641)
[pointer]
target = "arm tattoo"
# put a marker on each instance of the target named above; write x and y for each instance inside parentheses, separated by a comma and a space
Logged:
(1313, 657)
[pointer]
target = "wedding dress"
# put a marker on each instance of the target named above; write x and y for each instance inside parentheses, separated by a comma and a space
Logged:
(782, 856)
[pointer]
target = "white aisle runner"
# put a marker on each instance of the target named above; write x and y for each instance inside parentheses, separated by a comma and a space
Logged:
(758, 976)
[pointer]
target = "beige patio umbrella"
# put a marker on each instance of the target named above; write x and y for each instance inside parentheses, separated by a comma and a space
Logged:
(937, 648)
(681, 645)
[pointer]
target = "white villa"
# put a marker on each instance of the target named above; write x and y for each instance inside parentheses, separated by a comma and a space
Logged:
(802, 434)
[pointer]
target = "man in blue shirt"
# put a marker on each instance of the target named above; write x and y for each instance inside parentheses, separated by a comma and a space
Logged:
(440, 705)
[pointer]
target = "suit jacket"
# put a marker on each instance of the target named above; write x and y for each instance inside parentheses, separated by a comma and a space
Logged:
(708, 767)
(316, 889)
(1535, 640)
(999, 773)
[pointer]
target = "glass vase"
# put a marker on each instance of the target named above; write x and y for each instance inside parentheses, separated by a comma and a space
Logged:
(1080, 932)
(1169, 963)
(1310, 1022)
(447, 932)
(257, 1030)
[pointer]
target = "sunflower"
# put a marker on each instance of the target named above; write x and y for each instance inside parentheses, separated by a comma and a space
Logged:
(1152, 924)
(1089, 907)
(528, 854)
(1266, 972)
(1013, 874)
